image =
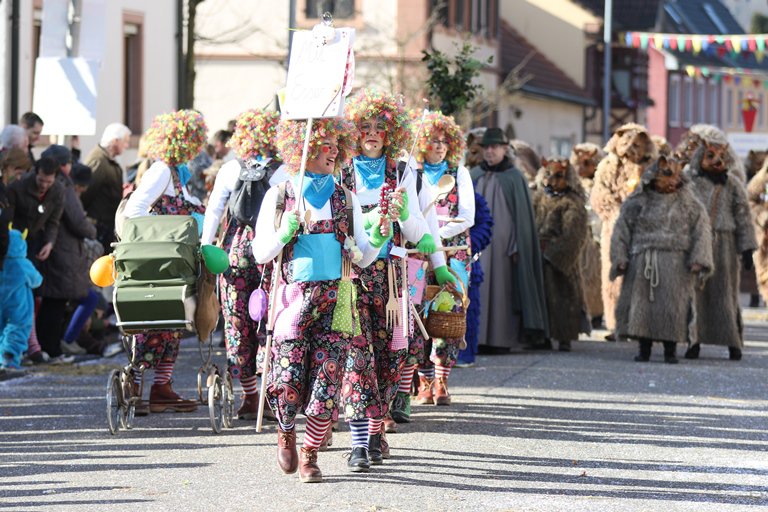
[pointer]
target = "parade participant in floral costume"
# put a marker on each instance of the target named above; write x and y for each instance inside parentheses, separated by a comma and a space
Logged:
(175, 138)
(440, 149)
(253, 143)
(310, 348)
(717, 182)
(383, 129)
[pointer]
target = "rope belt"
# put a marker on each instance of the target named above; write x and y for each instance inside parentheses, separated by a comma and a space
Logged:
(651, 270)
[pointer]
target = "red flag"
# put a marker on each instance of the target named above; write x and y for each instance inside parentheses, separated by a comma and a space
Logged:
(749, 118)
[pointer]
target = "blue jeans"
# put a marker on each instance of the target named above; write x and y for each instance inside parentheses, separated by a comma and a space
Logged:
(85, 309)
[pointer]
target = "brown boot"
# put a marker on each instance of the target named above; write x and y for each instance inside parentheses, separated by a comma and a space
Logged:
(425, 391)
(384, 447)
(249, 408)
(390, 427)
(309, 471)
(163, 398)
(287, 458)
(441, 396)
(327, 441)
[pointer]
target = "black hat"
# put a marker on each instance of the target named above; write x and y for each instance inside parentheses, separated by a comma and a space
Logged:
(61, 154)
(80, 175)
(494, 136)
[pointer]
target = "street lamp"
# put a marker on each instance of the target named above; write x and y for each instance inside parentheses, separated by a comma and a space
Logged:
(608, 18)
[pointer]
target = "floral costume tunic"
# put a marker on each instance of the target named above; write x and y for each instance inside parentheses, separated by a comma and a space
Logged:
(241, 333)
(305, 375)
(443, 352)
(244, 339)
(373, 369)
(159, 346)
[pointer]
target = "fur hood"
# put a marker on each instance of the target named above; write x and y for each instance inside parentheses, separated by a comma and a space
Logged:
(714, 135)
(650, 174)
(611, 146)
(571, 177)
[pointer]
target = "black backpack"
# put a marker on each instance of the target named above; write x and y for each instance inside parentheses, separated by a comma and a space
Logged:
(245, 202)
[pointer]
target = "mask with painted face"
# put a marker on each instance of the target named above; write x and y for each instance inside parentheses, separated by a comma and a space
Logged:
(555, 176)
(715, 159)
(688, 146)
(635, 146)
(587, 162)
(668, 175)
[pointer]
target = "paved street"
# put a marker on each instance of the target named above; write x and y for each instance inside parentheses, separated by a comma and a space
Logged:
(587, 430)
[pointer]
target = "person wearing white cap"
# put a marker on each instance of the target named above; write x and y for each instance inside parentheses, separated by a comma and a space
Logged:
(106, 189)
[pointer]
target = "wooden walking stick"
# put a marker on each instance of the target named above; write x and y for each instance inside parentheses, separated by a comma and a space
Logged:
(275, 283)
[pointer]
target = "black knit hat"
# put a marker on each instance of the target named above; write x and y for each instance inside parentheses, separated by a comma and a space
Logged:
(61, 154)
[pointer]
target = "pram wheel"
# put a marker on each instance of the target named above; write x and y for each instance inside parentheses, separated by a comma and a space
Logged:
(115, 402)
(129, 409)
(202, 396)
(217, 404)
(229, 400)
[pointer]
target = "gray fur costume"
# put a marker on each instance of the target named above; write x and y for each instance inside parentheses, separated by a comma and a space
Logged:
(717, 305)
(659, 237)
(562, 225)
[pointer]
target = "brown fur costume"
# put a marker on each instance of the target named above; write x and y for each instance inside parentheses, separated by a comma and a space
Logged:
(659, 237)
(561, 221)
(758, 202)
(584, 158)
(717, 308)
(754, 162)
(630, 150)
(525, 159)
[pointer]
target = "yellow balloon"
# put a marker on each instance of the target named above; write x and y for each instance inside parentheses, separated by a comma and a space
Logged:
(102, 271)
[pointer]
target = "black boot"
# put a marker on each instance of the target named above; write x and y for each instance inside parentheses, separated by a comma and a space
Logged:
(645, 351)
(358, 460)
(374, 450)
(754, 300)
(693, 351)
(670, 347)
(734, 353)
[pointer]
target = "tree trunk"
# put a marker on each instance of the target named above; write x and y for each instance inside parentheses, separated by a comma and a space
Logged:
(189, 58)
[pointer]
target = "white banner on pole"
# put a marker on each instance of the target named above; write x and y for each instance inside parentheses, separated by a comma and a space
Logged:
(93, 30)
(65, 95)
(742, 142)
(318, 74)
(54, 28)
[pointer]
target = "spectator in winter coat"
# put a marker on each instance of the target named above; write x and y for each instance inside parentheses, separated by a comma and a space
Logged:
(36, 202)
(65, 273)
(12, 163)
(106, 190)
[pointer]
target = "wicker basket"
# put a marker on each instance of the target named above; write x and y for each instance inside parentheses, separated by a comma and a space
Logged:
(447, 324)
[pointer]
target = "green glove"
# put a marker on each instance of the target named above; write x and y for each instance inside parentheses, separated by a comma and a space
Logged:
(371, 218)
(378, 240)
(427, 244)
(443, 276)
(404, 213)
(288, 227)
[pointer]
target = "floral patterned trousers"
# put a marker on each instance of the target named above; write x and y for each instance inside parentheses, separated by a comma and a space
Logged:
(236, 284)
(305, 374)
